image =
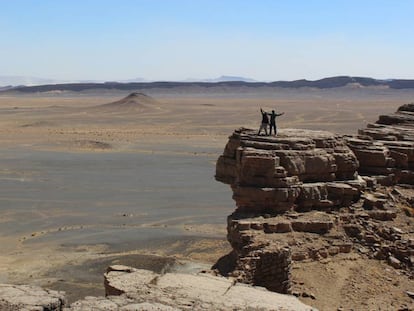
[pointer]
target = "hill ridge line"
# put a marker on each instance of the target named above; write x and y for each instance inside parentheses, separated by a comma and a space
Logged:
(325, 83)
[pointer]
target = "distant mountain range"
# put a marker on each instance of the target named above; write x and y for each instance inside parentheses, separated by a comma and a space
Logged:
(9, 81)
(12, 81)
(228, 81)
(222, 79)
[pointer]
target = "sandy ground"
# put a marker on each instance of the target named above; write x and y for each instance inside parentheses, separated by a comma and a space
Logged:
(85, 186)
(352, 283)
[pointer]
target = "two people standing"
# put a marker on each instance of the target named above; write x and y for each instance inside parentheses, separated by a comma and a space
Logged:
(265, 121)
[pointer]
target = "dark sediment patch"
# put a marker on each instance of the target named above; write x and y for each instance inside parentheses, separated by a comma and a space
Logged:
(91, 145)
(39, 124)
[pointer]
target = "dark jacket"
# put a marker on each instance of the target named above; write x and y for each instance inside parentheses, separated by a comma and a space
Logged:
(273, 116)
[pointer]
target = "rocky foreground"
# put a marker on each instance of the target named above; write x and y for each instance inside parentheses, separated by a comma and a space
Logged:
(130, 289)
(303, 196)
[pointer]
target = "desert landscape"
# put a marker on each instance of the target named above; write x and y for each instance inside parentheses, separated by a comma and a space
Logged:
(135, 174)
(94, 178)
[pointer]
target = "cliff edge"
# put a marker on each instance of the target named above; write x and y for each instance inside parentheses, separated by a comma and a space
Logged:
(313, 195)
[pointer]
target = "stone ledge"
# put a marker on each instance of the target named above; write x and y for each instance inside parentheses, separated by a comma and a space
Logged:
(30, 298)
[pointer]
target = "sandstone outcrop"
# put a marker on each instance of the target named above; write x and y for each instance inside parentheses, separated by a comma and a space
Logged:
(129, 289)
(273, 178)
(299, 196)
(298, 168)
(385, 149)
(202, 291)
(116, 303)
(30, 298)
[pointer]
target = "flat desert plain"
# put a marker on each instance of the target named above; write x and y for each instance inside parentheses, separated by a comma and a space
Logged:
(88, 179)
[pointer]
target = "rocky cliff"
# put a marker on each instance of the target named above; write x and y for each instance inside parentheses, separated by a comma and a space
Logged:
(385, 149)
(307, 195)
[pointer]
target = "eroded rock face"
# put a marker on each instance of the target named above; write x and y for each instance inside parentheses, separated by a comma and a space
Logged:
(275, 174)
(385, 149)
(271, 177)
(299, 197)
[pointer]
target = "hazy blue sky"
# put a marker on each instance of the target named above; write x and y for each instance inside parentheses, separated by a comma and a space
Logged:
(179, 39)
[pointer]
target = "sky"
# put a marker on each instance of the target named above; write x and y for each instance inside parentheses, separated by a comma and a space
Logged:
(267, 40)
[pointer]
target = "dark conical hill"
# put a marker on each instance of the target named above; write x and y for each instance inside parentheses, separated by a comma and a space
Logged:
(133, 102)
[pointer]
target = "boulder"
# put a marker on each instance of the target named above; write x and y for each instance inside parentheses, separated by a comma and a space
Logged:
(124, 278)
(176, 291)
(382, 215)
(30, 298)
(313, 226)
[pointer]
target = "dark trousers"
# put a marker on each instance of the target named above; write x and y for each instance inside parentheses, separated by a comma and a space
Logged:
(272, 126)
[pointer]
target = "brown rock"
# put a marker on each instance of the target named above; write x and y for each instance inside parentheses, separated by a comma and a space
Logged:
(382, 215)
(371, 201)
(353, 230)
(394, 262)
(226, 170)
(314, 226)
(345, 247)
(284, 227)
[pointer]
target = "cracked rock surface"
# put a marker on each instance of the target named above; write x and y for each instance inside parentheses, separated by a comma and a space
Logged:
(30, 298)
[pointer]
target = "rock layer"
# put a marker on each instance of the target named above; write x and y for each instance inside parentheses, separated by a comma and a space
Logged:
(176, 291)
(299, 196)
(385, 149)
(296, 169)
(130, 289)
(271, 177)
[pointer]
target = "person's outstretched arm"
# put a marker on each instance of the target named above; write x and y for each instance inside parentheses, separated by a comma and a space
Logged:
(280, 114)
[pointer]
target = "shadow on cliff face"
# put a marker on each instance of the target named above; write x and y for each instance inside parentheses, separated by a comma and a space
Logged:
(86, 279)
(226, 264)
